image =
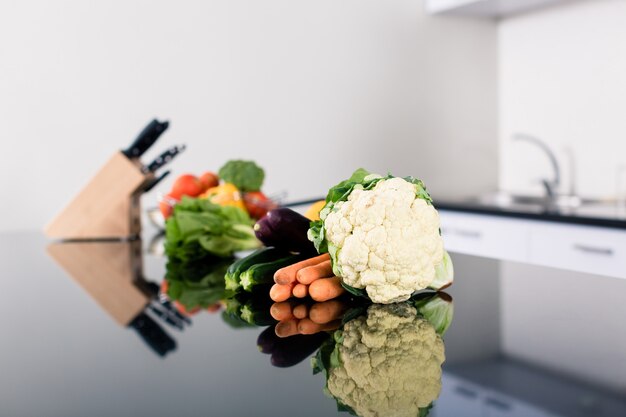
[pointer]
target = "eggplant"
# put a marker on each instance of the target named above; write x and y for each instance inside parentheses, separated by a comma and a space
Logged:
(284, 228)
(267, 340)
(292, 350)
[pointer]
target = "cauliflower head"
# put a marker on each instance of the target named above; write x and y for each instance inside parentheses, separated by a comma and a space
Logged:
(383, 236)
(389, 363)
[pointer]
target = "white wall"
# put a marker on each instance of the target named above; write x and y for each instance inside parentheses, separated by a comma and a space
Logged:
(310, 89)
(562, 78)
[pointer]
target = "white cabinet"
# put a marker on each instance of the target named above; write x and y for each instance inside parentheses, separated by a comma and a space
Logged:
(590, 249)
(486, 8)
(488, 236)
(579, 248)
(460, 397)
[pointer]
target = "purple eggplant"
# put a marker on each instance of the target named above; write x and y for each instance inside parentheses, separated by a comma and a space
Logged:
(284, 228)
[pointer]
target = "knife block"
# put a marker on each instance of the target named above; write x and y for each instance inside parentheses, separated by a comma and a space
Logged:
(108, 207)
(110, 272)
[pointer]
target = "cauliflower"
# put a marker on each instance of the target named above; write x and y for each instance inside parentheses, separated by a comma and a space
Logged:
(386, 362)
(383, 236)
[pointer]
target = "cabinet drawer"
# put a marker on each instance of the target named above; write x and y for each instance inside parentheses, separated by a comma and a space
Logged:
(579, 248)
(487, 236)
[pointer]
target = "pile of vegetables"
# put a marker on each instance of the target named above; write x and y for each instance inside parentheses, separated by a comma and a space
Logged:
(237, 184)
(312, 280)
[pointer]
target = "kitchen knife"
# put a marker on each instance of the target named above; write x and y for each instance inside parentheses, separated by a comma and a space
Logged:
(154, 336)
(165, 316)
(163, 159)
(146, 139)
(155, 181)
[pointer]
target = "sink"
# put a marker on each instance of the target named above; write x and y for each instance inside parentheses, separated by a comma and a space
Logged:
(561, 202)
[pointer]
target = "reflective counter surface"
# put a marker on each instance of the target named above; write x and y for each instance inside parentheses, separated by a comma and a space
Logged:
(84, 334)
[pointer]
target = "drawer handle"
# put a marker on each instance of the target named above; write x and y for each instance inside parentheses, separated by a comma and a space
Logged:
(593, 249)
(495, 403)
(465, 392)
(474, 234)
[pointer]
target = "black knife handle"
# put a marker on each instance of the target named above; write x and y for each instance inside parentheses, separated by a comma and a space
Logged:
(154, 336)
(146, 138)
(155, 181)
(164, 158)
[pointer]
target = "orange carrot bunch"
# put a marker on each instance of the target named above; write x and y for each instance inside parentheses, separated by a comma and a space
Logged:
(313, 277)
(294, 318)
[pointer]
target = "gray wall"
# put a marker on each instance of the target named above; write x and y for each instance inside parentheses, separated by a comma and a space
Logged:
(309, 89)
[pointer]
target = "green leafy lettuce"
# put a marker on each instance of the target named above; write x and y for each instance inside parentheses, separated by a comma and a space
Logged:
(199, 283)
(245, 175)
(198, 227)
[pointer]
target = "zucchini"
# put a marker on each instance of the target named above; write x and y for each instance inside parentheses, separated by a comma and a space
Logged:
(263, 273)
(247, 309)
(232, 277)
(257, 311)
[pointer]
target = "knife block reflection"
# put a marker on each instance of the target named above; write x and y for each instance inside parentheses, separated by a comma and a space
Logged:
(112, 274)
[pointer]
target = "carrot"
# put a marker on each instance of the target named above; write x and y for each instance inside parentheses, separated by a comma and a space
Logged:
(287, 275)
(301, 311)
(286, 328)
(300, 290)
(308, 326)
(333, 325)
(281, 311)
(311, 273)
(325, 289)
(327, 311)
(279, 293)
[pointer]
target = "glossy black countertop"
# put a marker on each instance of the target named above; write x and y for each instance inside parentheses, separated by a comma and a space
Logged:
(524, 341)
(602, 215)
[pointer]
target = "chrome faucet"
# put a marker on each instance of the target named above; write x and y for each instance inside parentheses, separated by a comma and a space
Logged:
(551, 186)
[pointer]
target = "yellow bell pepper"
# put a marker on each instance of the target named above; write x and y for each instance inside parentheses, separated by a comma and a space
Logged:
(225, 195)
(313, 212)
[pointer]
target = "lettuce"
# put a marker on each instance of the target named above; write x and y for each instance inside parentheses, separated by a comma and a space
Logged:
(199, 283)
(198, 227)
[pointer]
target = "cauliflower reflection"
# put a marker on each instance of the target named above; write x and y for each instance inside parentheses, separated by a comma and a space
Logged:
(387, 362)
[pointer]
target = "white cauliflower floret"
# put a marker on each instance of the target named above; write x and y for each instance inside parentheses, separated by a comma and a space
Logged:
(388, 240)
(390, 363)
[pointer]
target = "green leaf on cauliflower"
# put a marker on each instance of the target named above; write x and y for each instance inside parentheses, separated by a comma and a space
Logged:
(438, 309)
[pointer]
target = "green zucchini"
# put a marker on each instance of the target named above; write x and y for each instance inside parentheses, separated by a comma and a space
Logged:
(263, 273)
(232, 277)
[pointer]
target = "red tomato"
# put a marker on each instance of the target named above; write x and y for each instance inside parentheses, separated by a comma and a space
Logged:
(258, 204)
(214, 308)
(187, 184)
(183, 310)
(209, 180)
(166, 205)
(164, 286)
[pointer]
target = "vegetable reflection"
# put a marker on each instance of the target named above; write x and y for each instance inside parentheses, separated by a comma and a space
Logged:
(387, 360)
